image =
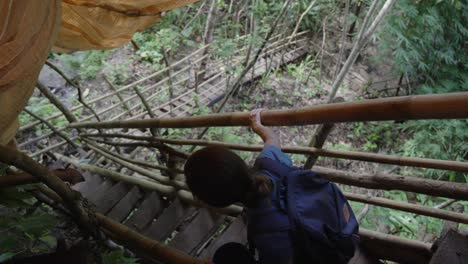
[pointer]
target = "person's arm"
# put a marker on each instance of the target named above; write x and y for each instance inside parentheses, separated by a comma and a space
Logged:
(268, 136)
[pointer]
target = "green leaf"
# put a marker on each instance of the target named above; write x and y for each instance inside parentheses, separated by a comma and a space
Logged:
(37, 225)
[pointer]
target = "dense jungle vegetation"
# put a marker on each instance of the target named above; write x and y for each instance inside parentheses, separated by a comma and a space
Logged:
(422, 45)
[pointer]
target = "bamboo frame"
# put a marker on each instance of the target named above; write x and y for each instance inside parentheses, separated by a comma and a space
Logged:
(440, 106)
(351, 155)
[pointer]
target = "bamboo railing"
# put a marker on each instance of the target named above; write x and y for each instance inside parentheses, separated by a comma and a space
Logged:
(440, 106)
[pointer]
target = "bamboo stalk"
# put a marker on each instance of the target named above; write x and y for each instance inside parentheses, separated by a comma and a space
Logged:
(117, 176)
(440, 106)
(352, 155)
(72, 199)
(55, 101)
(407, 207)
(76, 86)
(117, 93)
(129, 165)
(51, 127)
(383, 181)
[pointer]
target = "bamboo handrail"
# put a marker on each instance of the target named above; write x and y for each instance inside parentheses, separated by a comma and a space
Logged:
(342, 154)
(383, 181)
(408, 207)
(439, 106)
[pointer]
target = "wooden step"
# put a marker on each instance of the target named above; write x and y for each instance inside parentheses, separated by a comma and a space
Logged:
(126, 205)
(171, 218)
(151, 206)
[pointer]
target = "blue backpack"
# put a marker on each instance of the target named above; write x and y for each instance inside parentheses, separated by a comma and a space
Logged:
(322, 225)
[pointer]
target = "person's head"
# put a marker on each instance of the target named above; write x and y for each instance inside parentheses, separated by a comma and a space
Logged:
(219, 177)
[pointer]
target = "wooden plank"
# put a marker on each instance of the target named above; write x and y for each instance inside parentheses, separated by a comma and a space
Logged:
(171, 218)
(100, 191)
(197, 232)
(236, 232)
(126, 205)
(112, 197)
(147, 211)
(452, 249)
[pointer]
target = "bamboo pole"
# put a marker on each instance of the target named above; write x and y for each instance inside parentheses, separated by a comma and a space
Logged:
(383, 181)
(117, 176)
(117, 93)
(353, 155)
(72, 199)
(154, 144)
(76, 86)
(440, 106)
(408, 207)
(55, 101)
(129, 165)
(395, 248)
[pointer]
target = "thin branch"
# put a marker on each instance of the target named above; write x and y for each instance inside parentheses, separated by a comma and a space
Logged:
(76, 86)
(298, 24)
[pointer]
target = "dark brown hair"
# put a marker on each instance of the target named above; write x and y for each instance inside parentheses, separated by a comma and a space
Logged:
(219, 177)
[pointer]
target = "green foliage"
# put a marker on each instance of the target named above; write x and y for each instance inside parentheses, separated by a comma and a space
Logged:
(22, 232)
(154, 40)
(88, 63)
(117, 256)
(428, 41)
(442, 139)
(118, 74)
(375, 135)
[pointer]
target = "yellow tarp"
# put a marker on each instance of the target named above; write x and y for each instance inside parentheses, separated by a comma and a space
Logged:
(98, 24)
(28, 29)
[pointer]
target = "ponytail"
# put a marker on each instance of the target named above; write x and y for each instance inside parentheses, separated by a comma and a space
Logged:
(261, 187)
